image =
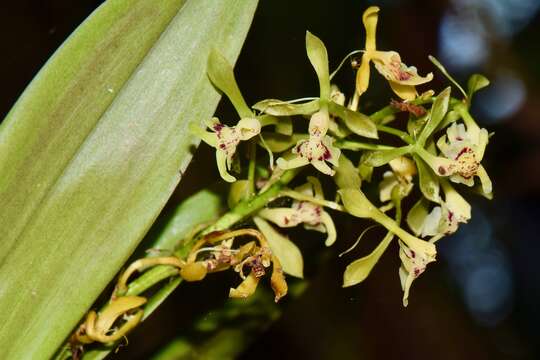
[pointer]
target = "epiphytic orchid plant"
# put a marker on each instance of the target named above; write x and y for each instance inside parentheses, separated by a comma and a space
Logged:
(268, 147)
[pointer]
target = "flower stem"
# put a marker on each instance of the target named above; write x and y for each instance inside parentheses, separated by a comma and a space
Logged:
(252, 164)
(356, 145)
(302, 197)
(401, 134)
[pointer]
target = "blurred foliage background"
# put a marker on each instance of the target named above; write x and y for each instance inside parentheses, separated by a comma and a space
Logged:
(480, 300)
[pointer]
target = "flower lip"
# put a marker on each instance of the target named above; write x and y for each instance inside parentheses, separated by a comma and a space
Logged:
(317, 149)
(465, 146)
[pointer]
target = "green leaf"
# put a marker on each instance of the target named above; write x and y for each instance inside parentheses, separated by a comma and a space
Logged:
(358, 123)
(201, 207)
(318, 56)
(417, 215)
(238, 191)
(436, 115)
(359, 270)
(93, 149)
(356, 203)
(283, 108)
(428, 180)
(286, 251)
(440, 66)
(415, 125)
(283, 125)
(346, 176)
(451, 117)
(220, 71)
(476, 82)
(382, 157)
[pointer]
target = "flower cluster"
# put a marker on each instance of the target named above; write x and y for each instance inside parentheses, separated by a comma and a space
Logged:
(441, 152)
(443, 148)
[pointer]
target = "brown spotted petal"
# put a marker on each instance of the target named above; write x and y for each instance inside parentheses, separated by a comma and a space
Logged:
(466, 146)
(445, 219)
(413, 264)
(226, 139)
(277, 281)
(317, 150)
(246, 288)
(389, 65)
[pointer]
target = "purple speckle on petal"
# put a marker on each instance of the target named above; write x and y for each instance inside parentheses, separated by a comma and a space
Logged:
(463, 151)
(327, 154)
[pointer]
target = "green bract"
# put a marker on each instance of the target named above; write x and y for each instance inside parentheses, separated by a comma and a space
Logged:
(436, 115)
(476, 82)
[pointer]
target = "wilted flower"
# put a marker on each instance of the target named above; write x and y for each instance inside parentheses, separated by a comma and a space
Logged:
(225, 139)
(317, 150)
(402, 78)
(260, 259)
(100, 326)
(255, 257)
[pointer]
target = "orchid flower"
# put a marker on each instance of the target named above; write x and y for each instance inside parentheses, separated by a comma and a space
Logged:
(259, 258)
(413, 264)
(402, 79)
(310, 214)
(317, 150)
(445, 218)
(252, 256)
(465, 144)
(226, 139)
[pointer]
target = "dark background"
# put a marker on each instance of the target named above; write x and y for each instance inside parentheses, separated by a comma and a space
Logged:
(480, 300)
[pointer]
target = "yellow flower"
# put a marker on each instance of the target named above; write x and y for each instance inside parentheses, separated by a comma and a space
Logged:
(465, 144)
(401, 77)
(308, 213)
(225, 139)
(317, 150)
(413, 264)
(445, 219)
